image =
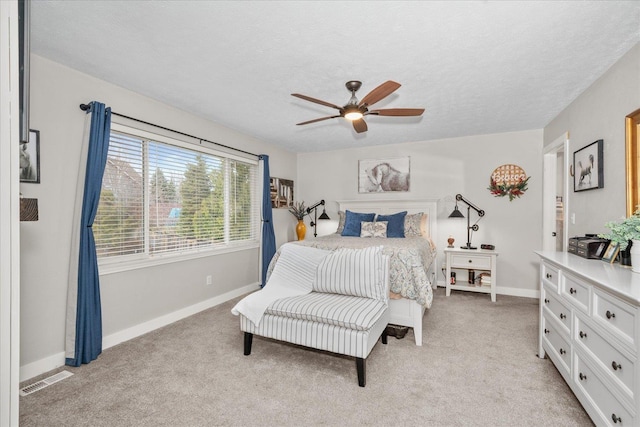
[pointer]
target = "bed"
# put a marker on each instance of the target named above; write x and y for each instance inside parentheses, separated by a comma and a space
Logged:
(412, 271)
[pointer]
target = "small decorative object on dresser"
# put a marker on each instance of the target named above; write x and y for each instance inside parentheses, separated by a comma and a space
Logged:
(625, 233)
(450, 241)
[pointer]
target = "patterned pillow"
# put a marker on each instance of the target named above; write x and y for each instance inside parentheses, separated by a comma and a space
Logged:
(357, 272)
(396, 223)
(352, 222)
(413, 225)
(374, 229)
(341, 219)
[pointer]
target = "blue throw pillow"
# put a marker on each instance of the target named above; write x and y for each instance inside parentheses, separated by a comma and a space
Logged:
(395, 223)
(353, 222)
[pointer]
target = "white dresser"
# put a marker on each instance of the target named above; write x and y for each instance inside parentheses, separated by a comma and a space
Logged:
(590, 329)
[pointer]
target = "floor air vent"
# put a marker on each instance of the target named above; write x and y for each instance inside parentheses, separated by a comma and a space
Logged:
(25, 391)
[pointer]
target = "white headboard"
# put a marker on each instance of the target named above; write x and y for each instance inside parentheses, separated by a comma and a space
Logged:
(387, 207)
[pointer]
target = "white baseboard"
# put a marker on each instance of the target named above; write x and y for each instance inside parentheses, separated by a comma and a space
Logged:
(46, 364)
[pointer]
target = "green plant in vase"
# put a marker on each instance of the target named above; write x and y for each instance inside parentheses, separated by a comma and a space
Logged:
(623, 231)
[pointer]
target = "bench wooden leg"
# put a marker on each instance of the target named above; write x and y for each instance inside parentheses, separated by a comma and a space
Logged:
(248, 339)
(361, 366)
(384, 336)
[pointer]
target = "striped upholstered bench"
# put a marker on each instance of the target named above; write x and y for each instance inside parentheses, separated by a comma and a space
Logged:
(346, 312)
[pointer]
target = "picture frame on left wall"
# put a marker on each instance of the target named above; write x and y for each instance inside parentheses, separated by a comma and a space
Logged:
(30, 159)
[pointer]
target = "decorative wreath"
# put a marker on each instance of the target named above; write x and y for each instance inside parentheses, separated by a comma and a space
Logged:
(508, 180)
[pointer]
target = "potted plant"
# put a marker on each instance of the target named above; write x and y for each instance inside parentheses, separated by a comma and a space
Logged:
(625, 232)
(299, 210)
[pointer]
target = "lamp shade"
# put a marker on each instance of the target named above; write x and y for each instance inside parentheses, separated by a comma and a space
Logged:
(324, 215)
(456, 213)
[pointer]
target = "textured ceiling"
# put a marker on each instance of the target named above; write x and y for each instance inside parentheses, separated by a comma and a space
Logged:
(478, 67)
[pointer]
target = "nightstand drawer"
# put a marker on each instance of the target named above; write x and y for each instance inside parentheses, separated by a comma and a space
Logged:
(576, 292)
(616, 316)
(470, 261)
(617, 364)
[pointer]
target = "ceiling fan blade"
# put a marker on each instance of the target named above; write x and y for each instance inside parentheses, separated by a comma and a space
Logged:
(382, 91)
(359, 125)
(316, 120)
(317, 101)
(398, 112)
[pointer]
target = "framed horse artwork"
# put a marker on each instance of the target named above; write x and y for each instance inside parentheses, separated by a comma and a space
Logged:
(30, 158)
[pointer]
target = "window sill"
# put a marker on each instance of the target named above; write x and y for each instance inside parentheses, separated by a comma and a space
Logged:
(106, 267)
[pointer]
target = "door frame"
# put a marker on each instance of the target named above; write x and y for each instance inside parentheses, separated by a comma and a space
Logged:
(549, 186)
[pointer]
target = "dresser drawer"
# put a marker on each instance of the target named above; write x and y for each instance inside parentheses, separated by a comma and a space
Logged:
(550, 275)
(560, 311)
(615, 315)
(471, 261)
(576, 292)
(609, 408)
(557, 343)
(617, 365)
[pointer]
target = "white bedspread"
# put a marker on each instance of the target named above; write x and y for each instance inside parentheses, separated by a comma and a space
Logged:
(292, 276)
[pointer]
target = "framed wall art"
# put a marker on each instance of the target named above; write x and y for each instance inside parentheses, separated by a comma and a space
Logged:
(281, 192)
(588, 167)
(382, 175)
(30, 158)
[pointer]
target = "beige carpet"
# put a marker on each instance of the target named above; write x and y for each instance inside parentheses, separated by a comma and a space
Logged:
(478, 367)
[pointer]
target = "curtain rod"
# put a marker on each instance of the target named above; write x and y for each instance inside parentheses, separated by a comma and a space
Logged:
(85, 107)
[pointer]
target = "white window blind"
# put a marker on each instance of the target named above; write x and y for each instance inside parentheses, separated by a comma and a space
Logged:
(160, 198)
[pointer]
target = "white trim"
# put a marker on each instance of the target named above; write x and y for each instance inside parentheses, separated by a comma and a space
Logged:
(117, 265)
(57, 360)
(549, 182)
(119, 127)
(9, 216)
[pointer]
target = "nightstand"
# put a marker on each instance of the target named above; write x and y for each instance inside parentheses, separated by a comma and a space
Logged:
(478, 260)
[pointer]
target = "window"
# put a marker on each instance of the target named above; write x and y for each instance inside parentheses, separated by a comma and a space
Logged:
(164, 197)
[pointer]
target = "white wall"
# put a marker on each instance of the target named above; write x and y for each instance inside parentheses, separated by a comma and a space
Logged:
(130, 298)
(439, 170)
(599, 113)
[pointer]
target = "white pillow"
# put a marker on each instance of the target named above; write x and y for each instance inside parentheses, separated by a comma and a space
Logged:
(373, 229)
(356, 272)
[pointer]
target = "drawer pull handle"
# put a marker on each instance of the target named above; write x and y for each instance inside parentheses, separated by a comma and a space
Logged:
(616, 366)
(470, 261)
(549, 276)
(546, 301)
(615, 419)
(562, 351)
(582, 376)
(583, 334)
(572, 291)
(546, 331)
(563, 316)
(610, 314)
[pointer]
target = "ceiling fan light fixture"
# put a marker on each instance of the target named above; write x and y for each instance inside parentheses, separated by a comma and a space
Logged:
(353, 115)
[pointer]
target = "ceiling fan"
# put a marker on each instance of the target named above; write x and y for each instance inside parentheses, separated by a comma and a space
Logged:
(355, 110)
